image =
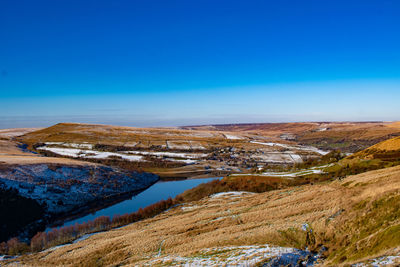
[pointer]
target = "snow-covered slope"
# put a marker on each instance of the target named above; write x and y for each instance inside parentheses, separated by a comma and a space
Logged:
(66, 187)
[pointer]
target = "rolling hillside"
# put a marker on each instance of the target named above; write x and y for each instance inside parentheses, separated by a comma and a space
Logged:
(388, 150)
(47, 188)
(168, 152)
(351, 221)
(345, 136)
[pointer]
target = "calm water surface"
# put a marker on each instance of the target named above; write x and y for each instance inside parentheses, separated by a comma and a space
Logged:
(158, 191)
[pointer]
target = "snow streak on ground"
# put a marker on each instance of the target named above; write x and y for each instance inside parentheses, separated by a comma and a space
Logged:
(169, 154)
(186, 208)
(293, 147)
(322, 129)
(278, 157)
(74, 152)
(84, 237)
(233, 137)
(313, 170)
(235, 256)
(187, 161)
(73, 145)
(191, 134)
(231, 194)
(6, 257)
(381, 261)
(77, 151)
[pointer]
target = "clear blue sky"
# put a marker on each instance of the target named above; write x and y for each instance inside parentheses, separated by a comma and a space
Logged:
(149, 63)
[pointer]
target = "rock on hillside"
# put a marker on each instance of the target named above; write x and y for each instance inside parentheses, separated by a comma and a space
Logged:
(64, 188)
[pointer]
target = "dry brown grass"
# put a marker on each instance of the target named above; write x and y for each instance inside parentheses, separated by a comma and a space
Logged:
(345, 136)
(367, 132)
(157, 139)
(391, 144)
(367, 129)
(13, 132)
(116, 135)
(272, 218)
(11, 154)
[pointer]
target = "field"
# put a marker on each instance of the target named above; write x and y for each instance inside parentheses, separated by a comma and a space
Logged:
(11, 151)
(201, 151)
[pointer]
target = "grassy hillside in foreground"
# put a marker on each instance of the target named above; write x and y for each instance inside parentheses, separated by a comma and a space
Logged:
(356, 218)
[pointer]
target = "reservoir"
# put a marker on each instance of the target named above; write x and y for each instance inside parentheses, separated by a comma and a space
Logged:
(159, 191)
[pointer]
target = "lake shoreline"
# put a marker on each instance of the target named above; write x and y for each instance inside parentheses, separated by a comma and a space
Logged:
(161, 190)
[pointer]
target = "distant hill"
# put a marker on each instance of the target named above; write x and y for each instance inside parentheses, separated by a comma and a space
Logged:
(345, 136)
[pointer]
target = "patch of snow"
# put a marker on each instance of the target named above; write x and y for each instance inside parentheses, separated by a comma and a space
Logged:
(293, 147)
(191, 134)
(296, 158)
(387, 260)
(218, 219)
(73, 145)
(277, 157)
(104, 155)
(84, 237)
(169, 154)
(237, 256)
(231, 194)
(292, 174)
(233, 137)
(87, 146)
(7, 257)
(54, 143)
(54, 248)
(187, 161)
(271, 144)
(186, 208)
(321, 129)
(314, 149)
(73, 152)
(381, 261)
